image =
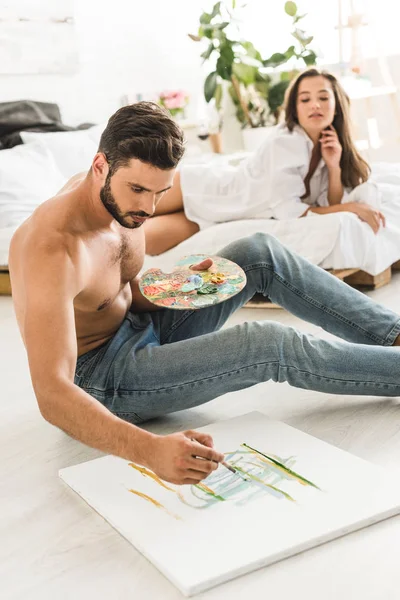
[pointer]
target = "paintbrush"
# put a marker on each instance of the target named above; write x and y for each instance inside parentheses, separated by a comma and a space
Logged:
(233, 470)
(227, 466)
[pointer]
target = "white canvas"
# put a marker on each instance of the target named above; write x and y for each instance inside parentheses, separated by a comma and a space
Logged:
(302, 493)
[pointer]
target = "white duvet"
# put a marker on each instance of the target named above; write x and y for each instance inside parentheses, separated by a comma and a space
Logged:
(332, 241)
(30, 174)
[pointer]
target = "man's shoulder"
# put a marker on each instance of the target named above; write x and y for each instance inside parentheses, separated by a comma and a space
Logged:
(72, 183)
(45, 236)
(45, 260)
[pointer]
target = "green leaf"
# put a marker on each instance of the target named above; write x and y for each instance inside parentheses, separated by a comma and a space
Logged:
(291, 51)
(251, 51)
(245, 73)
(213, 31)
(249, 60)
(310, 58)
(207, 53)
(287, 75)
(219, 34)
(225, 60)
(291, 8)
(233, 95)
(210, 86)
(227, 52)
(205, 18)
(207, 31)
(263, 77)
(275, 60)
(216, 10)
(224, 68)
(218, 96)
(302, 37)
(276, 95)
(221, 25)
(262, 88)
(233, 4)
(298, 18)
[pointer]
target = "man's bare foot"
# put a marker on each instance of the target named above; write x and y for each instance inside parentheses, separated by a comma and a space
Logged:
(397, 341)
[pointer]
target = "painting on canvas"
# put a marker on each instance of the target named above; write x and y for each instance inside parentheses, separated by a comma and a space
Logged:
(291, 492)
(37, 37)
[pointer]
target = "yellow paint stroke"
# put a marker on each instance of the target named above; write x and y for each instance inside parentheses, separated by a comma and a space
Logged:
(205, 488)
(145, 472)
(155, 503)
(268, 485)
(279, 468)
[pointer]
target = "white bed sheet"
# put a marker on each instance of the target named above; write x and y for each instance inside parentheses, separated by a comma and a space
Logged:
(332, 241)
(336, 241)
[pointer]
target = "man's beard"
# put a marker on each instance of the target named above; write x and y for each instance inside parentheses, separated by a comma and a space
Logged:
(112, 207)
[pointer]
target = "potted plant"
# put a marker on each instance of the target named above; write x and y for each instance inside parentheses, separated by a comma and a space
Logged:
(252, 83)
(299, 55)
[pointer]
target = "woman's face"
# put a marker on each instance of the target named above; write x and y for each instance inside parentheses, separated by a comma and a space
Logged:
(315, 104)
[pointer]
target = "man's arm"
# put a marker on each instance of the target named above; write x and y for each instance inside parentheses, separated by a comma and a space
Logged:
(50, 338)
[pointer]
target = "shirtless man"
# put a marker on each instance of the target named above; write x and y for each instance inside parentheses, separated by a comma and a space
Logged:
(102, 358)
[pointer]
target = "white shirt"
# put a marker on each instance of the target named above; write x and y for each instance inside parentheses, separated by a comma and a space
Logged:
(267, 185)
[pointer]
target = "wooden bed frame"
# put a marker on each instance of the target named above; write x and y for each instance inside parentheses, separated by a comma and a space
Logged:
(354, 277)
(5, 285)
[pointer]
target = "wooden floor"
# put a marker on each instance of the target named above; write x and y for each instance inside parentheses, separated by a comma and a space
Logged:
(54, 547)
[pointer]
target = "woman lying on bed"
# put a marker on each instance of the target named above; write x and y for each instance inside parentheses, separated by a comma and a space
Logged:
(308, 163)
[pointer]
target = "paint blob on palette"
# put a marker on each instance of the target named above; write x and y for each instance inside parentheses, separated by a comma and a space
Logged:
(186, 288)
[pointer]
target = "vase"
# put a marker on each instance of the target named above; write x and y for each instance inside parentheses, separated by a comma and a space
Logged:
(178, 114)
(253, 137)
(216, 142)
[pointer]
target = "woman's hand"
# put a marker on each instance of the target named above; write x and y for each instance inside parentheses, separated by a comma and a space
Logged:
(331, 150)
(367, 213)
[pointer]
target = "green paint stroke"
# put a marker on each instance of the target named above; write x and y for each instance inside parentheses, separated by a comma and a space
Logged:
(273, 487)
(207, 490)
(282, 466)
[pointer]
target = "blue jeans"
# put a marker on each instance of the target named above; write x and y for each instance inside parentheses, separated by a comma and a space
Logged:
(164, 361)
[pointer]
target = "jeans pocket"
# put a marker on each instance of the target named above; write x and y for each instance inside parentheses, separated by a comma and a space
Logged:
(87, 363)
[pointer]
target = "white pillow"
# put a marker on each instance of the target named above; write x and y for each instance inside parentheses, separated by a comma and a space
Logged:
(73, 151)
(28, 177)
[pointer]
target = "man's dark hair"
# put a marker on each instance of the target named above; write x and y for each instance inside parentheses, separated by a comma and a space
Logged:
(144, 131)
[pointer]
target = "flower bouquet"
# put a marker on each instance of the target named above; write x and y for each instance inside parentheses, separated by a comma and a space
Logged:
(174, 101)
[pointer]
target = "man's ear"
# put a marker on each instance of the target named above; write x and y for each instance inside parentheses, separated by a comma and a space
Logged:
(100, 166)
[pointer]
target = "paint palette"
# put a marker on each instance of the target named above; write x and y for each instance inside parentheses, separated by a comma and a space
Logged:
(186, 288)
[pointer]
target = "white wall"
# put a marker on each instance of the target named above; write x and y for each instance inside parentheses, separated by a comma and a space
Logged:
(126, 46)
(134, 46)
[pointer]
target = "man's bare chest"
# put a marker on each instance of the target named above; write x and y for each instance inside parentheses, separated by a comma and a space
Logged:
(111, 262)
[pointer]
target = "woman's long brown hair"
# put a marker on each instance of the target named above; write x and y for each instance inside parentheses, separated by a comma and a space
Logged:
(355, 169)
